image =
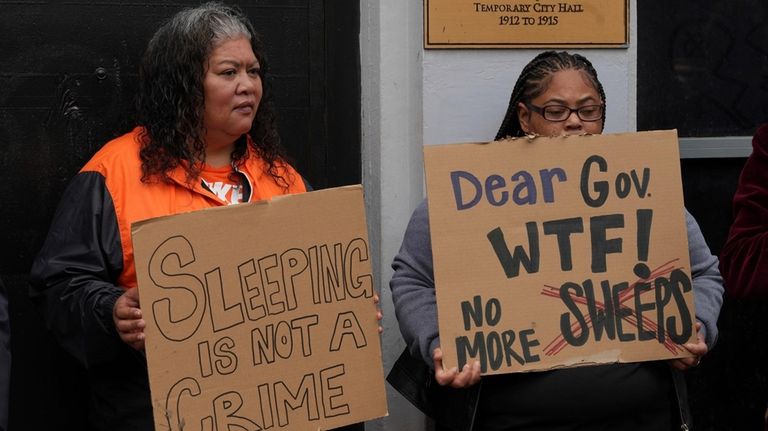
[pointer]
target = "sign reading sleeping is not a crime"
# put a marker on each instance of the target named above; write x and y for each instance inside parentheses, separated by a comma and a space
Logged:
(261, 315)
(557, 252)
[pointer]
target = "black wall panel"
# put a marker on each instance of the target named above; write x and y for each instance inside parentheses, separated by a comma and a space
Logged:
(729, 390)
(702, 66)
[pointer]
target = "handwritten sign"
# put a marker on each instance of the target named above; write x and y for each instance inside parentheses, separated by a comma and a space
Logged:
(556, 252)
(261, 316)
(526, 24)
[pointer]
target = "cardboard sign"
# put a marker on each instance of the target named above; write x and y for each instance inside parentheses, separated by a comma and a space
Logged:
(261, 315)
(526, 24)
(557, 252)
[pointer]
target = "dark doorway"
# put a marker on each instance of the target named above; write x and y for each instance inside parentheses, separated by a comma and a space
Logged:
(67, 80)
(702, 69)
(701, 66)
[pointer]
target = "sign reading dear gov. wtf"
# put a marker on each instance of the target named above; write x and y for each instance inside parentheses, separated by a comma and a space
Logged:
(566, 251)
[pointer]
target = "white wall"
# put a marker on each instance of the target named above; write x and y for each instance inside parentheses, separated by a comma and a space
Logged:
(466, 92)
(413, 97)
(391, 56)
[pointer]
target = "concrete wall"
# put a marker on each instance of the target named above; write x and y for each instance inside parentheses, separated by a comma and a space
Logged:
(412, 97)
(391, 61)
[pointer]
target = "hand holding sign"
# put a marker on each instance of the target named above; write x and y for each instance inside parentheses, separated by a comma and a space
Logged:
(128, 321)
(699, 348)
(469, 375)
(379, 314)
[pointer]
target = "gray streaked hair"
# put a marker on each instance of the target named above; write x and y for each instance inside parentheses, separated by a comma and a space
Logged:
(170, 101)
(214, 21)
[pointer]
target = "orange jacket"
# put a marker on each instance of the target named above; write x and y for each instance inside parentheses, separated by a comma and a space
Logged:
(118, 162)
(87, 259)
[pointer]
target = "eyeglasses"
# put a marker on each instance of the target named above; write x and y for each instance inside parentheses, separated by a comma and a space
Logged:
(561, 113)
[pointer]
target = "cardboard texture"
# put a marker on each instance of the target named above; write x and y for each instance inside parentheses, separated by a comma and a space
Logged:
(526, 24)
(261, 315)
(559, 252)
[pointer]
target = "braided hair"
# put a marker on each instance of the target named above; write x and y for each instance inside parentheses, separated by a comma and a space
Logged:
(534, 79)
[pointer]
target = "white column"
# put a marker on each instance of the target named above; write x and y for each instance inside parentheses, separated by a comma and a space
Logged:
(411, 97)
(390, 55)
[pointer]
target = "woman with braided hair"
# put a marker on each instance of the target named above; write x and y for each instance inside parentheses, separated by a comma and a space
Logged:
(535, 79)
(557, 93)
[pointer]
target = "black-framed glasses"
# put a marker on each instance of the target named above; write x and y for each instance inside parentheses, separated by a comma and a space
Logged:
(561, 113)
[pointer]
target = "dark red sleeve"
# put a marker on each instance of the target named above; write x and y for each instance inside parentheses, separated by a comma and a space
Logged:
(744, 261)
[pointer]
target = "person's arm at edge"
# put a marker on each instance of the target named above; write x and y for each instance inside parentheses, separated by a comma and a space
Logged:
(743, 261)
(707, 282)
(413, 294)
(413, 288)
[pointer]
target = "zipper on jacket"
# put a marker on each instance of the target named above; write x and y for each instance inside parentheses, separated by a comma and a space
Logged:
(680, 408)
(477, 406)
(247, 186)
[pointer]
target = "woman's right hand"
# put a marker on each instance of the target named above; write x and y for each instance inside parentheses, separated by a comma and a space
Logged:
(468, 376)
(128, 320)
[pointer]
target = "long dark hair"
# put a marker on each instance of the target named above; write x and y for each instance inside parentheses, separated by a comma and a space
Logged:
(170, 102)
(533, 81)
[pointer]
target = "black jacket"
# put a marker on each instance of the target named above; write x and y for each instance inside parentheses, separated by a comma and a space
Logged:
(87, 261)
(455, 409)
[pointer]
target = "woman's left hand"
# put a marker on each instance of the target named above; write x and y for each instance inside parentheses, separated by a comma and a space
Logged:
(128, 319)
(699, 349)
(379, 314)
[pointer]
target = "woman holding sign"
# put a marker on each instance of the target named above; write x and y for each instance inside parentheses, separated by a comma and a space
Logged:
(206, 137)
(556, 94)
